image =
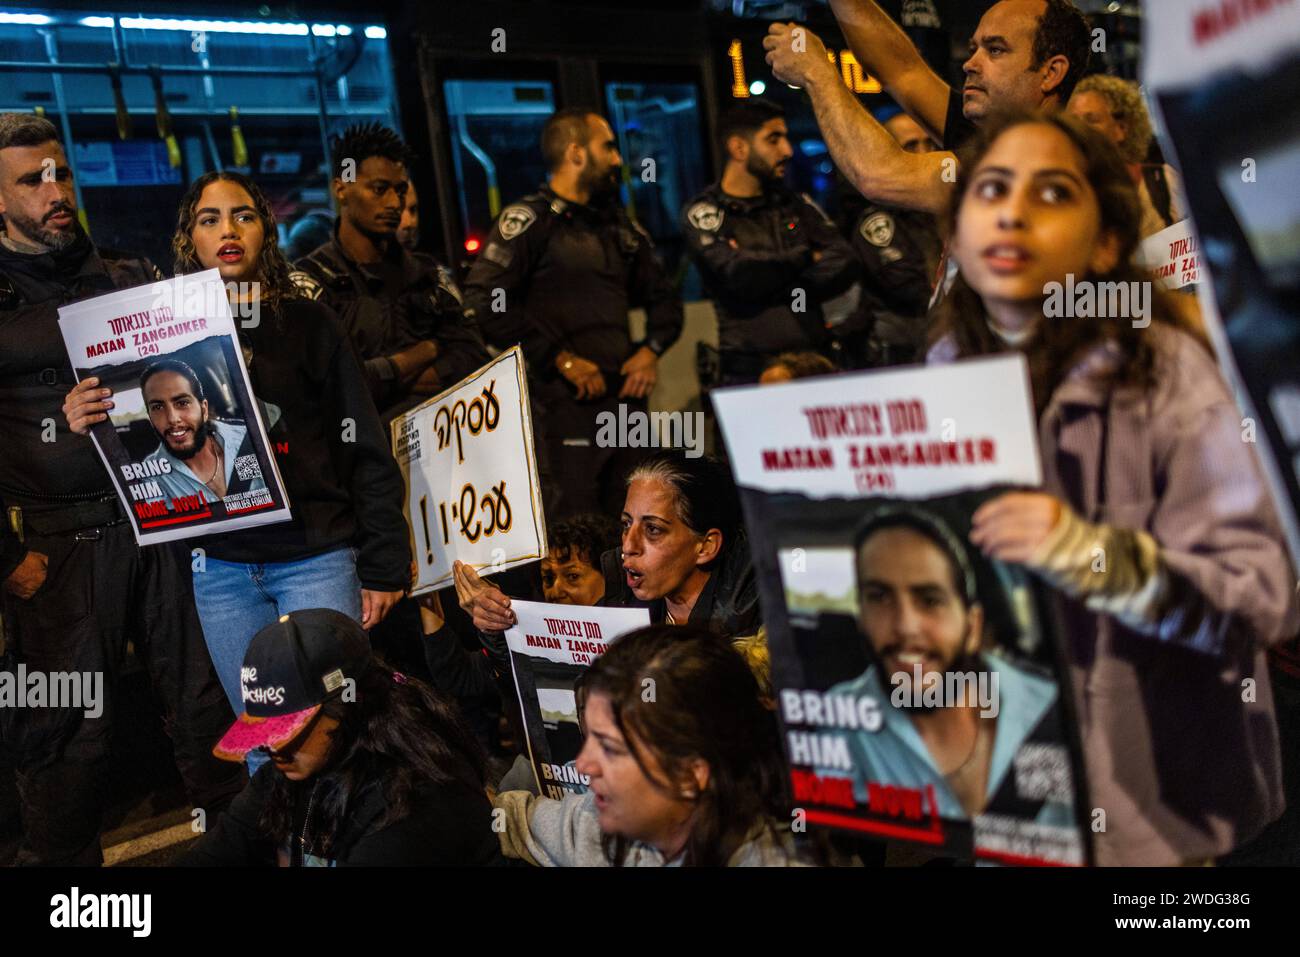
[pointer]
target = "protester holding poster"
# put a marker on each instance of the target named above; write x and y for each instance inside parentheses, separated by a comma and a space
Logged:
(77, 587)
(917, 682)
(346, 545)
(684, 555)
(1155, 527)
(570, 576)
(682, 761)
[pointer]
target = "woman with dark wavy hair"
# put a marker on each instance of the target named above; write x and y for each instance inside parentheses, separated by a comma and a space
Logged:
(346, 546)
(1155, 525)
(367, 766)
(265, 274)
(683, 760)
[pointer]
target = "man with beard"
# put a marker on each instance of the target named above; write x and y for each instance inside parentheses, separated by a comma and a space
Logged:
(77, 587)
(918, 610)
(558, 274)
(769, 257)
(1026, 54)
(402, 311)
(196, 454)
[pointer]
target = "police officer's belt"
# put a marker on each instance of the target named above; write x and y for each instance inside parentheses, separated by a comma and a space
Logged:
(73, 518)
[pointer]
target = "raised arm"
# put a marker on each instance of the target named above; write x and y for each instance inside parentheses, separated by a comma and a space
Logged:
(884, 51)
(864, 151)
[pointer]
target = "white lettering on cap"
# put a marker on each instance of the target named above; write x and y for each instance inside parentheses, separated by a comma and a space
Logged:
(263, 695)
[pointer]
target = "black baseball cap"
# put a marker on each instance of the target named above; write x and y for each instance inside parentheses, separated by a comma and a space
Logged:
(290, 669)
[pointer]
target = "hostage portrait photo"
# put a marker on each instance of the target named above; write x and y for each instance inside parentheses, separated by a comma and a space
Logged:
(918, 681)
(551, 701)
(182, 440)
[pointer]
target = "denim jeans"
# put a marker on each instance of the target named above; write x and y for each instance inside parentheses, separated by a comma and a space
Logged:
(236, 601)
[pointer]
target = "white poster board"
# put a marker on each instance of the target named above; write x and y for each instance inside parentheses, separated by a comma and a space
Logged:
(551, 646)
(910, 433)
(472, 492)
(170, 353)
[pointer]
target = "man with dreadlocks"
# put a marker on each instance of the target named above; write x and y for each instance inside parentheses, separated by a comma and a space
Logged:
(402, 310)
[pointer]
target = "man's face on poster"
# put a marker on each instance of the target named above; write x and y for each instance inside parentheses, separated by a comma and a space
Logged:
(910, 607)
(177, 415)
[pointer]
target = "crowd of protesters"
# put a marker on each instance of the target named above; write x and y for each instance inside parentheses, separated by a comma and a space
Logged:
(1138, 439)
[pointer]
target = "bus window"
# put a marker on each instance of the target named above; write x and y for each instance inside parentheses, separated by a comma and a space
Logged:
(659, 134)
(495, 128)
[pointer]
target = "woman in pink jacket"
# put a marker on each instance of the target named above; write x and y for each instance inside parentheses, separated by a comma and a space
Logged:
(1155, 525)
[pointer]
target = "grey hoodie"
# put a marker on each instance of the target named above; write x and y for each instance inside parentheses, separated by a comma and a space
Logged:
(566, 833)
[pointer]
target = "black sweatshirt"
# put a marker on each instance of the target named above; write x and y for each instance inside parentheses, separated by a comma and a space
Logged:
(388, 307)
(449, 825)
(35, 376)
(334, 456)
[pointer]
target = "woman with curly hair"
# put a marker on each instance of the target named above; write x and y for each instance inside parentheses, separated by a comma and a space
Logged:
(1114, 108)
(346, 546)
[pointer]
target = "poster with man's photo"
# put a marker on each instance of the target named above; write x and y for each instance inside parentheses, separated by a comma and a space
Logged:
(919, 684)
(1223, 78)
(185, 441)
(551, 647)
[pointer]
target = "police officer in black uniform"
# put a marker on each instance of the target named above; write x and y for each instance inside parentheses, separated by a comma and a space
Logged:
(402, 310)
(76, 586)
(770, 258)
(900, 250)
(558, 274)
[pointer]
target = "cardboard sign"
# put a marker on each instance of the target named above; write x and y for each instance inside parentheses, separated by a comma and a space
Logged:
(471, 477)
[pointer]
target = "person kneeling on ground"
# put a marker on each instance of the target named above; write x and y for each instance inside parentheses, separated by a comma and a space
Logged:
(684, 553)
(368, 766)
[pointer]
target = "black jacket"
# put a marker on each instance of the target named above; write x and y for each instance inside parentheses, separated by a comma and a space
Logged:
(35, 376)
(899, 250)
(449, 825)
(557, 275)
(333, 454)
(390, 306)
(753, 282)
